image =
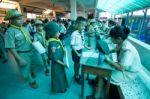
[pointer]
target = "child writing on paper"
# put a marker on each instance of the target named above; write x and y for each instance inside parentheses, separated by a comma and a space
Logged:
(56, 54)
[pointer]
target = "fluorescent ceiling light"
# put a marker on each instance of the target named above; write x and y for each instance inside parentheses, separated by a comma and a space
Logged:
(47, 11)
(7, 5)
(31, 15)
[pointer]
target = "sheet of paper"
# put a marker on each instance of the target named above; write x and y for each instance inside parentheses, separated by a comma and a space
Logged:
(87, 54)
(66, 58)
(38, 46)
(95, 55)
(90, 54)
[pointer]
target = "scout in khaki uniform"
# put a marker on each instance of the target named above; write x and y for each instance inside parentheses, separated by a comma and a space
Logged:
(40, 36)
(91, 29)
(93, 32)
(111, 24)
(56, 54)
(18, 43)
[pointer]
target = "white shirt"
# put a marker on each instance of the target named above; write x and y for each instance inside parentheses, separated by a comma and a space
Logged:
(62, 29)
(77, 40)
(130, 60)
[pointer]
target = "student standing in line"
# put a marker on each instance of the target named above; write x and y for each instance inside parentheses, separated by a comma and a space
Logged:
(56, 52)
(19, 44)
(40, 36)
(77, 44)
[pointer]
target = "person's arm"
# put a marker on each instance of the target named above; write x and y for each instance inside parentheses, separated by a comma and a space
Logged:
(19, 59)
(75, 51)
(73, 42)
(35, 38)
(113, 64)
(61, 63)
(89, 48)
(52, 54)
(125, 60)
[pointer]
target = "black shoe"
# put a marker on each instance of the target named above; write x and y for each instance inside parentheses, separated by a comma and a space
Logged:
(77, 79)
(33, 85)
(33, 75)
(46, 72)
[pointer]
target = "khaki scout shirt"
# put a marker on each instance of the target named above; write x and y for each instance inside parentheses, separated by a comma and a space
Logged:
(14, 38)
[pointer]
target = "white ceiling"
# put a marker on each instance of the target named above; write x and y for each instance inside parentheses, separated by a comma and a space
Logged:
(57, 5)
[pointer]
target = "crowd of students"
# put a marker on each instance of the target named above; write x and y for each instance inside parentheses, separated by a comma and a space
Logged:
(18, 37)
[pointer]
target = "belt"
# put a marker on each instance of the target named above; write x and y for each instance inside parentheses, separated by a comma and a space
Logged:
(24, 51)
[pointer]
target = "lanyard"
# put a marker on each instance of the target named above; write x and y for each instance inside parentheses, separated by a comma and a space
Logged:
(57, 40)
(43, 37)
(23, 32)
(82, 37)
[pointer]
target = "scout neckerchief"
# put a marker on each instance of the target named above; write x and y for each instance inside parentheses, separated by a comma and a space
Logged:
(57, 40)
(43, 37)
(82, 36)
(23, 32)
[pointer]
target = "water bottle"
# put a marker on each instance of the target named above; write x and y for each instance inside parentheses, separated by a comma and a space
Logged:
(101, 58)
